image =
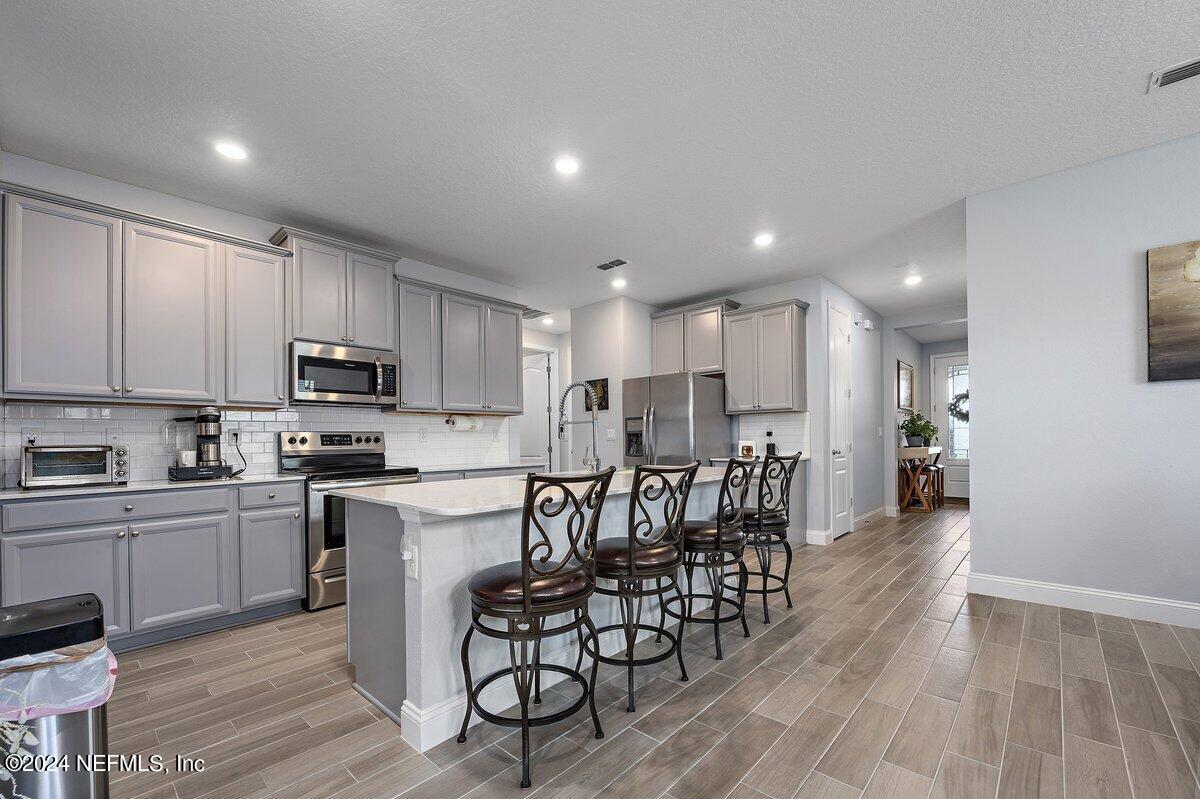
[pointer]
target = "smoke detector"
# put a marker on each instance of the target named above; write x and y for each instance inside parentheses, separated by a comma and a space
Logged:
(1165, 77)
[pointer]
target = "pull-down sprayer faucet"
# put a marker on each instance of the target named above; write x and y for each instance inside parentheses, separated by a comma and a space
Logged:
(593, 462)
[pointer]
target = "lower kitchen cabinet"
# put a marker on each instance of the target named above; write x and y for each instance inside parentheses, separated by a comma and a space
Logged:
(181, 570)
(77, 560)
(271, 544)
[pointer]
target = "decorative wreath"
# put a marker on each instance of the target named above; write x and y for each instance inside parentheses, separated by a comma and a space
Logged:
(959, 407)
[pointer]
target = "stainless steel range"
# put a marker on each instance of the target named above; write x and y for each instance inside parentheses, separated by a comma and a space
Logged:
(334, 460)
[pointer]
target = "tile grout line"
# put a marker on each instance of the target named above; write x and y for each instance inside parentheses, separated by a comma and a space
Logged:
(1161, 696)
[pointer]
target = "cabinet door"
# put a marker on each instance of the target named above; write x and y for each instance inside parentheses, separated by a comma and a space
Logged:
(702, 340)
(62, 274)
(420, 348)
(255, 361)
(318, 292)
(776, 359)
(83, 560)
(741, 346)
(667, 352)
(502, 382)
(172, 309)
(370, 314)
(271, 543)
(180, 570)
(462, 354)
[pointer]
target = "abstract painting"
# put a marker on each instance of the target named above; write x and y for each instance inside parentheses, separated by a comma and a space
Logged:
(905, 377)
(1173, 283)
(599, 386)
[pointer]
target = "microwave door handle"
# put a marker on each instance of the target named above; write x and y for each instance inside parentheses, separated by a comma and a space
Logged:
(378, 379)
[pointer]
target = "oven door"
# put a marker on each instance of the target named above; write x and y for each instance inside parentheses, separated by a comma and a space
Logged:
(327, 520)
(330, 374)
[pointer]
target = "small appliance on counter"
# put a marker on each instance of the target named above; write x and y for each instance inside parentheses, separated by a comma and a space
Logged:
(62, 465)
(206, 462)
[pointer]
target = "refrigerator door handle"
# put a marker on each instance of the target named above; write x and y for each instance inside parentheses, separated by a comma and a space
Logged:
(651, 455)
(646, 433)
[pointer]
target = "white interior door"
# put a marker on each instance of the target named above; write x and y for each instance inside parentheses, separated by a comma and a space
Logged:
(951, 377)
(535, 422)
(841, 446)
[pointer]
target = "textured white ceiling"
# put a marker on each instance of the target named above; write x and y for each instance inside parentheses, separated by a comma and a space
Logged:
(429, 127)
(932, 334)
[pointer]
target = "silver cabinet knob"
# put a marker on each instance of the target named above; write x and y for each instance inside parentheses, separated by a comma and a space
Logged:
(403, 402)
(352, 338)
(116, 388)
(129, 388)
(280, 396)
(136, 533)
(121, 534)
(296, 515)
(128, 508)
(271, 495)
(345, 338)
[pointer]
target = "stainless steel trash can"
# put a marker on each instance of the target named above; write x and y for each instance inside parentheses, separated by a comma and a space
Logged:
(46, 626)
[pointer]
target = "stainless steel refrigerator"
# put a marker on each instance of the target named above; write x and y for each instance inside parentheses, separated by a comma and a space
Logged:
(675, 418)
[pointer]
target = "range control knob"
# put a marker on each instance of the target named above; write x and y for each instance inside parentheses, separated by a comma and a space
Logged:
(303, 440)
(376, 439)
(291, 439)
(358, 439)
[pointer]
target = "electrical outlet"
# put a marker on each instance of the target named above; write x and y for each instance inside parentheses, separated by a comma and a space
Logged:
(112, 435)
(611, 434)
(880, 429)
(496, 434)
(422, 435)
(29, 435)
(409, 552)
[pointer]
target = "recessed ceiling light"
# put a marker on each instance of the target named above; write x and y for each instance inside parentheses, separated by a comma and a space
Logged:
(230, 150)
(764, 239)
(618, 283)
(566, 164)
(912, 280)
(547, 320)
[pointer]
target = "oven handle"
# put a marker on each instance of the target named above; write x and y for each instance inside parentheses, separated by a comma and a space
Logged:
(378, 379)
(326, 485)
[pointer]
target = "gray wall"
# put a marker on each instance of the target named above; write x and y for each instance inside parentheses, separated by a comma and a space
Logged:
(1057, 295)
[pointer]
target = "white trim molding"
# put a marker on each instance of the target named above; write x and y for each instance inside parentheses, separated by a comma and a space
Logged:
(867, 518)
(1113, 603)
(891, 511)
(819, 537)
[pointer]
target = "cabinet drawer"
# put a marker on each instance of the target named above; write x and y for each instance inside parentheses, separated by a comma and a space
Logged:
(271, 495)
(86, 510)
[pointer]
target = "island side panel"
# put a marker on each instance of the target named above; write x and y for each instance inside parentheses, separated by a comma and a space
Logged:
(375, 605)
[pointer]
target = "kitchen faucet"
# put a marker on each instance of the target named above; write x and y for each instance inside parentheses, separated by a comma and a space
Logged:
(593, 462)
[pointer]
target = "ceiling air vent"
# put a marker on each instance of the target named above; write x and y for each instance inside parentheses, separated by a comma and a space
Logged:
(611, 265)
(1165, 77)
(532, 313)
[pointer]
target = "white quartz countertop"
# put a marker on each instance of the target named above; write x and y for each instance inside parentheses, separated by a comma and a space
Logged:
(478, 495)
(480, 467)
(142, 485)
(726, 460)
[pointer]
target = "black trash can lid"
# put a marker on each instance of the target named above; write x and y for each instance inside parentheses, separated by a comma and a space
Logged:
(50, 624)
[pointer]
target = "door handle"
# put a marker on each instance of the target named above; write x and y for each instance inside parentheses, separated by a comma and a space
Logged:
(378, 378)
(837, 452)
(652, 449)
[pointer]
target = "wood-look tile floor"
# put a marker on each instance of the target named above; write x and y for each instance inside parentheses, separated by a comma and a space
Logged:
(886, 679)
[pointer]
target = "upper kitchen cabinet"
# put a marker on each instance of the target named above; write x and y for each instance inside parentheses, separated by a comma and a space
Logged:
(690, 339)
(172, 311)
(481, 355)
(62, 300)
(419, 308)
(340, 293)
(502, 381)
(255, 345)
(764, 349)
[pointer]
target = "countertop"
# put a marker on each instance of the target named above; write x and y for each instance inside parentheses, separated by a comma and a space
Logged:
(723, 460)
(478, 495)
(480, 467)
(142, 485)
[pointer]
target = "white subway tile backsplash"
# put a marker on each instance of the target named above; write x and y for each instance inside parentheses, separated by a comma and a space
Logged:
(152, 436)
(789, 431)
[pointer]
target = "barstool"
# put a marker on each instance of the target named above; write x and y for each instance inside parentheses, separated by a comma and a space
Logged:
(652, 550)
(555, 575)
(714, 544)
(767, 526)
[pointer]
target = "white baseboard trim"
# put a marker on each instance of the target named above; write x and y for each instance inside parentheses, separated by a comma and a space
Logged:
(868, 517)
(819, 537)
(1113, 603)
(891, 510)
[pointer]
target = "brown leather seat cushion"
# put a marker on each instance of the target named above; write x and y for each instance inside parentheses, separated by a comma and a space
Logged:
(771, 518)
(501, 585)
(703, 533)
(612, 556)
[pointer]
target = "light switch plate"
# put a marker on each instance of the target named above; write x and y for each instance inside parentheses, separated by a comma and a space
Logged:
(611, 434)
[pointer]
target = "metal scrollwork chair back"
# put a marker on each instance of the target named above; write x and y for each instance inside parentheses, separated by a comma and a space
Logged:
(573, 504)
(775, 484)
(735, 487)
(658, 502)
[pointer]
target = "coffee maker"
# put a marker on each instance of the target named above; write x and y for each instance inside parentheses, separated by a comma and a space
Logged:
(209, 465)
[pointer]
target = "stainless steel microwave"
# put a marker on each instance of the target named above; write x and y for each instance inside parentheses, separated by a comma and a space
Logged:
(328, 373)
(69, 465)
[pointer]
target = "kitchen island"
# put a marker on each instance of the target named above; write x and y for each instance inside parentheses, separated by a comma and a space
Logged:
(410, 551)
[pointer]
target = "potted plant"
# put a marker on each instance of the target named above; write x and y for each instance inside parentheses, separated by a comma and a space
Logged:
(918, 430)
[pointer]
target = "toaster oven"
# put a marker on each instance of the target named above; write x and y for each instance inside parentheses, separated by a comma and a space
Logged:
(72, 465)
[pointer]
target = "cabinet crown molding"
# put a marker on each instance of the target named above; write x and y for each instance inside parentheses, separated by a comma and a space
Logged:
(801, 304)
(726, 304)
(409, 281)
(285, 232)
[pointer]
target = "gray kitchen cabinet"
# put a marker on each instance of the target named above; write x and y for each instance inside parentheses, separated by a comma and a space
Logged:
(741, 353)
(172, 311)
(255, 345)
(766, 360)
(71, 561)
(502, 383)
(667, 337)
(180, 570)
(689, 339)
(318, 292)
(271, 545)
(62, 300)
(420, 347)
(371, 301)
(462, 353)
